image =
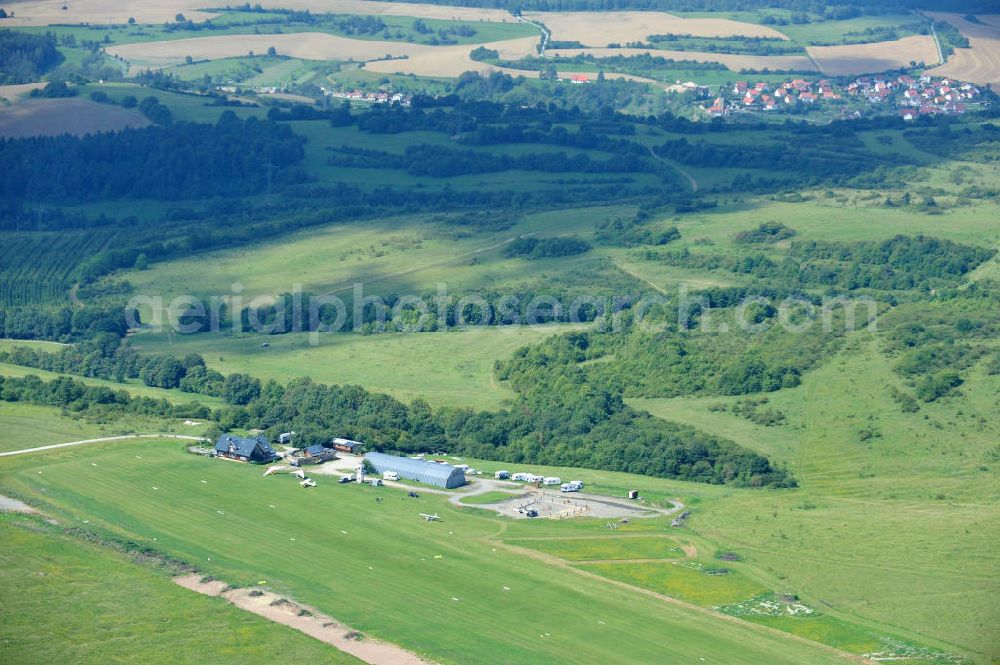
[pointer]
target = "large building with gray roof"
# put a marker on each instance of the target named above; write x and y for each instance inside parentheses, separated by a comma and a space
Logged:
(431, 473)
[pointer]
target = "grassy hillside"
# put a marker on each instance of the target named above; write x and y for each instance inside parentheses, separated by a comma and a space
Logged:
(878, 518)
(63, 601)
(449, 368)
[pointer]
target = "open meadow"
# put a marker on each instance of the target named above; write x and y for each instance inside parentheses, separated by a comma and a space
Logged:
(453, 368)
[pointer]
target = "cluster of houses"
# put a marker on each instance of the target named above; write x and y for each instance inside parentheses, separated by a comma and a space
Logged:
(370, 97)
(764, 96)
(914, 97)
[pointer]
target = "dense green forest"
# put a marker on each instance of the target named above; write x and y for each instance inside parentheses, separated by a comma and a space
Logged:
(26, 57)
(181, 160)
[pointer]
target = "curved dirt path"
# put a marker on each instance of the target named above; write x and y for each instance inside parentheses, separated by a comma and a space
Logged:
(100, 440)
(690, 178)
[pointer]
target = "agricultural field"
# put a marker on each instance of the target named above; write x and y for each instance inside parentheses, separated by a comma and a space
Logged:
(52, 117)
(45, 12)
(601, 28)
(846, 60)
(981, 62)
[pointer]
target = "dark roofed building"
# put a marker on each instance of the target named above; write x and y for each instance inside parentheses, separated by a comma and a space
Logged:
(255, 449)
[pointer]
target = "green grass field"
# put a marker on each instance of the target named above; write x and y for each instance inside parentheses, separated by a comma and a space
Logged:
(26, 426)
(425, 585)
(411, 254)
(839, 32)
(453, 368)
(65, 601)
(679, 581)
(595, 549)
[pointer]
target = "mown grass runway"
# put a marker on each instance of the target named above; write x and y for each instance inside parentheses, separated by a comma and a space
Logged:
(379, 567)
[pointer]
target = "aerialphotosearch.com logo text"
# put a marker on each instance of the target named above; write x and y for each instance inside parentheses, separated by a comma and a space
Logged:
(297, 311)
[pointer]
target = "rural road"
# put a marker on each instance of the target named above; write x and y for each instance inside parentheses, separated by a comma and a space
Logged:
(100, 440)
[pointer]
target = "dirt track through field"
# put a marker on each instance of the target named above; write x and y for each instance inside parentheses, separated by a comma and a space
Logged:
(602, 28)
(105, 439)
(306, 620)
(981, 62)
(850, 59)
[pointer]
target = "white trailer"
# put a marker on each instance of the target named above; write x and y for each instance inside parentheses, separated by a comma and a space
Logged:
(521, 477)
(551, 480)
(390, 475)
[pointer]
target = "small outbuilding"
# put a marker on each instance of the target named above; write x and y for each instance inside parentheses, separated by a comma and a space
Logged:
(254, 450)
(347, 446)
(441, 475)
(315, 454)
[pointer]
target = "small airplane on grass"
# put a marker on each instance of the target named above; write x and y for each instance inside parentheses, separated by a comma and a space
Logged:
(431, 518)
(307, 482)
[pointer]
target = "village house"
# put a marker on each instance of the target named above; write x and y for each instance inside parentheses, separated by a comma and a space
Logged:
(253, 450)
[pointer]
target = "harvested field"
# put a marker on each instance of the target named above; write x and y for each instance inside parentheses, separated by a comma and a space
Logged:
(52, 117)
(980, 63)
(420, 59)
(305, 45)
(46, 12)
(602, 28)
(12, 93)
(375, 8)
(851, 59)
(797, 63)
(451, 61)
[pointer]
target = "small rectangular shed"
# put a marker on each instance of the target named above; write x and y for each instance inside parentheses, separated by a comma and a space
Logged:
(441, 475)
